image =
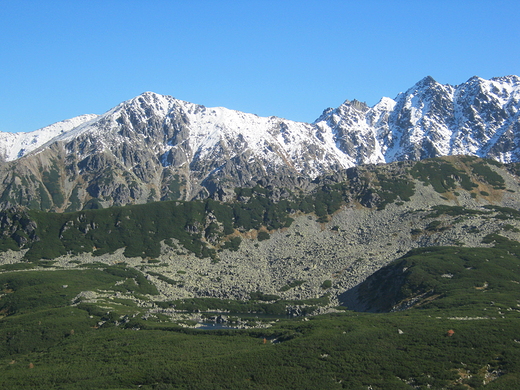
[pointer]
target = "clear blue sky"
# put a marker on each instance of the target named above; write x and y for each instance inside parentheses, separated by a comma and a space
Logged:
(293, 59)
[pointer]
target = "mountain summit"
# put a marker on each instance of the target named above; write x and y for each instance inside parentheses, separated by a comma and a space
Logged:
(156, 147)
(479, 117)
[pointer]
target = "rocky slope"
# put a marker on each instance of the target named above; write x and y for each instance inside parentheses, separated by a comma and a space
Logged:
(156, 147)
(455, 201)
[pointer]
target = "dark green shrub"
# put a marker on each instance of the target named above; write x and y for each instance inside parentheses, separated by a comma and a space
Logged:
(326, 284)
(293, 284)
(233, 244)
(263, 235)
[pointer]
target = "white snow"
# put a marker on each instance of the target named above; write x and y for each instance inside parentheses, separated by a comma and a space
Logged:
(16, 145)
(275, 141)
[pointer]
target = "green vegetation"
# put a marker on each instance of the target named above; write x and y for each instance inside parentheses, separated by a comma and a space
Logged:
(75, 203)
(462, 336)
(260, 296)
(435, 226)
(510, 228)
(134, 282)
(482, 169)
(27, 291)
(174, 188)
(393, 188)
(442, 175)
(326, 284)
(258, 303)
(232, 244)
(201, 227)
(454, 211)
(205, 227)
(293, 284)
(446, 278)
(141, 228)
(163, 278)
(213, 304)
(332, 352)
(507, 212)
(262, 235)
(51, 180)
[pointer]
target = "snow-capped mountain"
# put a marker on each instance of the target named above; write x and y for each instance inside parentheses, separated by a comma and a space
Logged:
(156, 147)
(179, 133)
(16, 145)
(480, 117)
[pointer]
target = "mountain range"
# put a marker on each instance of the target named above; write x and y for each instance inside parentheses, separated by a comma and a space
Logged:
(156, 147)
(359, 251)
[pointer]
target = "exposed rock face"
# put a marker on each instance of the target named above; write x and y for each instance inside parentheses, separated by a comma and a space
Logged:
(155, 147)
(479, 117)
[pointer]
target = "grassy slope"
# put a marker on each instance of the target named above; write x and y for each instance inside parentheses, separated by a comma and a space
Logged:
(447, 277)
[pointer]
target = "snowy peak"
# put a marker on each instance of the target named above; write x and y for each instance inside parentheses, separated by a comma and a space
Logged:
(187, 133)
(426, 83)
(155, 147)
(479, 117)
(16, 145)
(427, 120)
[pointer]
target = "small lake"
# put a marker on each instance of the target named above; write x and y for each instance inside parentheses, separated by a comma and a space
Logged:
(213, 326)
(243, 319)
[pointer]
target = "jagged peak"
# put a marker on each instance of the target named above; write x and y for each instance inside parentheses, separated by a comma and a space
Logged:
(475, 80)
(427, 81)
(510, 79)
(356, 104)
(425, 84)
(150, 94)
(151, 102)
(503, 88)
(149, 98)
(385, 103)
(324, 115)
(164, 107)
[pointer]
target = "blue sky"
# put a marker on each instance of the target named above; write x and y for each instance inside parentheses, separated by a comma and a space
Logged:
(292, 59)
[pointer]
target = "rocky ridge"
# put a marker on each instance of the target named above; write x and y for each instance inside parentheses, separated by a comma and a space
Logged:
(155, 147)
